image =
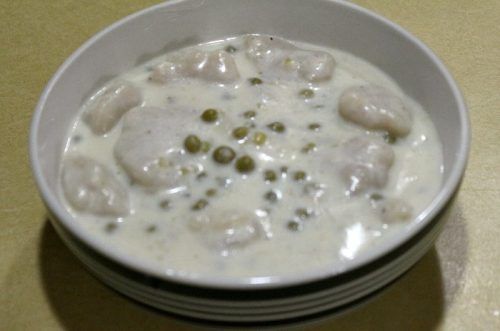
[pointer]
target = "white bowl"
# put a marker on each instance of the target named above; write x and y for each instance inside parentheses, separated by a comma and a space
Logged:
(176, 24)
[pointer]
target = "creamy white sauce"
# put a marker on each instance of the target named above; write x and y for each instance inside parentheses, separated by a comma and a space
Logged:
(343, 224)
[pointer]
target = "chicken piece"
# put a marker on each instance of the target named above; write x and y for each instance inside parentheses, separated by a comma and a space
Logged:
(91, 187)
(165, 72)
(316, 66)
(375, 108)
(150, 147)
(394, 210)
(279, 59)
(227, 229)
(105, 109)
(216, 66)
(365, 163)
(265, 50)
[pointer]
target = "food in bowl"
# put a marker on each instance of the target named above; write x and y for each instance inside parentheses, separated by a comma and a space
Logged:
(250, 156)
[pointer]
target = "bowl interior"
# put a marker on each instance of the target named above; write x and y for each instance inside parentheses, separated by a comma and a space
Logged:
(175, 24)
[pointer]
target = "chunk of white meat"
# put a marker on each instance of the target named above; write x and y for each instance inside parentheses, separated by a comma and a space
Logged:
(150, 147)
(276, 58)
(316, 66)
(265, 50)
(106, 108)
(365, 163)
(394, 210)
(227, 229)
(375, 108)
(165, 72)
(215, 66)
(91, 187)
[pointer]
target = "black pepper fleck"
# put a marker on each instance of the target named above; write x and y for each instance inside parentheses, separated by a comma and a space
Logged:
(230, 49)
(294, 225)
(199, 205)
(390, 138)
(255, 81)
(164, 204)
(250, 114)
(277, 127)
(202, 175)
(211, 192)
(272, 196)
(376, 196)
(110, 227)
(314, 126)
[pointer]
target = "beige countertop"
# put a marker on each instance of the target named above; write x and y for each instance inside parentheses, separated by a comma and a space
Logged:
(456, 286)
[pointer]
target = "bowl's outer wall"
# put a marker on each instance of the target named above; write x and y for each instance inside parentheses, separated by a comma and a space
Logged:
(181, 23)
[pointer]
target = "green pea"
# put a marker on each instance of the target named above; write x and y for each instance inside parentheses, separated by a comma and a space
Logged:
(314, 126)
(230, 49)
(299, 175)
(255, 81)
(240, 132)
(309, 147)
(270, 176)
(192, 144)
(223, 154)
(306, 93)
(151, 229)
(277, 127)
(259, 138)
(271, 196)
(201, 175)
(199, 205)
(210, 115)
(245, 164)
(250, 114)
(205, 146)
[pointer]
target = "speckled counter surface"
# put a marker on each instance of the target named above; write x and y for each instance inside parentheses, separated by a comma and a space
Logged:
(456, 286)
